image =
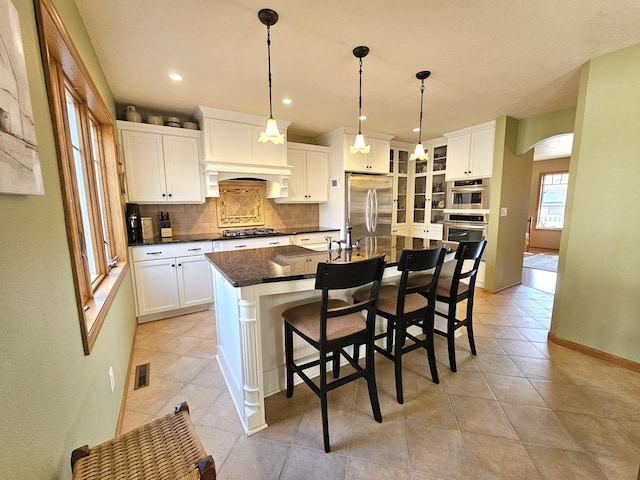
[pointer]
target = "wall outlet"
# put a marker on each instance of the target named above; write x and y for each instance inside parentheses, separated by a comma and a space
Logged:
(503, 212)
(112, 379)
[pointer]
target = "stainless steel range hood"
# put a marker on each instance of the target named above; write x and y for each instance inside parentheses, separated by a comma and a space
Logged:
(231, 151)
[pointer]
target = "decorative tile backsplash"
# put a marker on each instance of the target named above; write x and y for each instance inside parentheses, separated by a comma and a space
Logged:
(203, 218)
(241, 204)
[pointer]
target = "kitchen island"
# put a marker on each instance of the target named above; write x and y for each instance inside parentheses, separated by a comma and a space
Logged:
(252, 288)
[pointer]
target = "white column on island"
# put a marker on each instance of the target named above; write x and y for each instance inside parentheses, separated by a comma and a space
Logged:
(251, 351)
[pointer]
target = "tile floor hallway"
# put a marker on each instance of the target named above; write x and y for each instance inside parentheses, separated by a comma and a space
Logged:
(520, 409)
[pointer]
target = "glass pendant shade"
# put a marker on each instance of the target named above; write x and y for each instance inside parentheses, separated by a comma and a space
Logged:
(271, 133)
(359, 146)
(419, 153)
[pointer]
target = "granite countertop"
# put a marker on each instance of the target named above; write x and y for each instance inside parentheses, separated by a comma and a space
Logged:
(291, 262)
(208, 237)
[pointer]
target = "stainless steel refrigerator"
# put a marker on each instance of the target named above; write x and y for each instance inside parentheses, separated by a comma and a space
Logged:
(368, 206)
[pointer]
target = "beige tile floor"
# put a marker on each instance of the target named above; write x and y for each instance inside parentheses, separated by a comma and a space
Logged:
(522, 408)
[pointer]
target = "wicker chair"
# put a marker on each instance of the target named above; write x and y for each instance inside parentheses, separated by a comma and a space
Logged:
(167, 448)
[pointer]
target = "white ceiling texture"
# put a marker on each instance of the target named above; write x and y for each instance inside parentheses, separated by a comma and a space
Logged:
(487, 58)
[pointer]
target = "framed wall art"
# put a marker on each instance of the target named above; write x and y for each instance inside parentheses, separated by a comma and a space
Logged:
(20, 171)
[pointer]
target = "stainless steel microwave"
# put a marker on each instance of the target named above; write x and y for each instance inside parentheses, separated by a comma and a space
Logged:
(468, 194)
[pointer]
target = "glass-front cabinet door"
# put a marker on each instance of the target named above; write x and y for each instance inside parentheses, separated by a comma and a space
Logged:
(429, 192)
(399, 168)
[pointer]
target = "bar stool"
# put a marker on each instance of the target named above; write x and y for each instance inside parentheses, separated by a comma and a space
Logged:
(331, 325)
(410, 303)
(453, 290)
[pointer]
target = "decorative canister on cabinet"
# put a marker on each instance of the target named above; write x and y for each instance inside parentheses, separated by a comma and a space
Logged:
(132, 115)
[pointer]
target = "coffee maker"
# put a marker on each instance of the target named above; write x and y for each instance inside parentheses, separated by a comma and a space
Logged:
(134, 223)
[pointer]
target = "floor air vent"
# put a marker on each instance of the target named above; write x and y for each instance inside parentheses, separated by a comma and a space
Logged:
(142, 376)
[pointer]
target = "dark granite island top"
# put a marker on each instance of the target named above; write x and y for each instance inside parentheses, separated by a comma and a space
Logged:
(291, 262)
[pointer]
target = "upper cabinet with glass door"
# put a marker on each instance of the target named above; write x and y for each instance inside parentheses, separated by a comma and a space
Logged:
(429, 189)
(399, 168)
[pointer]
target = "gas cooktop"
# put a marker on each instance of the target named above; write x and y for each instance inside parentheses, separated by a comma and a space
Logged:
(250, 232)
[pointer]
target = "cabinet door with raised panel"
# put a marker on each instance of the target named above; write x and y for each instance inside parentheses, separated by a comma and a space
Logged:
(458, 150)
(482, 147)
(156, 286)
(378, 157)
(317, 177)
(195, 280)
(144, 166)
(298, 180)
(182, 169)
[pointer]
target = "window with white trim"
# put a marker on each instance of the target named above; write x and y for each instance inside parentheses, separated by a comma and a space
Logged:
(552, 200)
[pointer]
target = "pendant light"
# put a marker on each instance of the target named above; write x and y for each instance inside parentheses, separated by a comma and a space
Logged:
(360, 146)
(271, 134)
(419, 152)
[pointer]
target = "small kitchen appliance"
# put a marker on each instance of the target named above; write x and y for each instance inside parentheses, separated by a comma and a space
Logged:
(134, 223)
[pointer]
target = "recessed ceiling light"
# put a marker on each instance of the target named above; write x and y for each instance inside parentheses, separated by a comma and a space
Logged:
(175, 76)
(417, 129)
(286, 101)
(362, 117)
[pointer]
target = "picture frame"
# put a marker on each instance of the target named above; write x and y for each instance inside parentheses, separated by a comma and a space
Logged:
(20, 170)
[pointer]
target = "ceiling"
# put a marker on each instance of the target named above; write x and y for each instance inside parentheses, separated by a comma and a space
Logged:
(487, 58)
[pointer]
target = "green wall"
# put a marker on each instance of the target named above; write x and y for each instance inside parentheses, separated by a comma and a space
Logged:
(53, 397)
(532, 130)
(509, 189)
(597, 301)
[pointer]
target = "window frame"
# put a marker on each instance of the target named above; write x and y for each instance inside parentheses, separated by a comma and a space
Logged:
(65, 73)
(539, 201)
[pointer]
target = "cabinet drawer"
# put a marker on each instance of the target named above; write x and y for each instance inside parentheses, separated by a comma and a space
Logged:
(264, 242)
(305, 239)
(155, 252)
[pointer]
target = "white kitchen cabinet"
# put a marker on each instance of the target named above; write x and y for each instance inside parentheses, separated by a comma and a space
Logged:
(255, 242)
(430, 231)
(169, 277)
(402, 201)
(470, 152)
(309, 182)
(162, 164)
(376, 161)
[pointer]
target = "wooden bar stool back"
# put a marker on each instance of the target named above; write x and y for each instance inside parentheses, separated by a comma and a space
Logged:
(330, 326)
(454, 289)
(410, 303)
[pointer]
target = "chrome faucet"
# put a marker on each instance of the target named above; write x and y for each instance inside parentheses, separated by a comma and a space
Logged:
(348, 241)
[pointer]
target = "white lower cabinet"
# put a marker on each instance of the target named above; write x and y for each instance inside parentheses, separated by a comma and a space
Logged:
(170, 277)
(431, 231)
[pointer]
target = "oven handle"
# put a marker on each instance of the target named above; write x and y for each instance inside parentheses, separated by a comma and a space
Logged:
(470, 226)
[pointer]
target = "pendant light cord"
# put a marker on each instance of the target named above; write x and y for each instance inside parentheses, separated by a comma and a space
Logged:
(360, 101)
(269, 64)
(421, 103)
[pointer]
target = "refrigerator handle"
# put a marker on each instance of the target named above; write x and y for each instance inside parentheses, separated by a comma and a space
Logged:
(367, 211)
(374, 214)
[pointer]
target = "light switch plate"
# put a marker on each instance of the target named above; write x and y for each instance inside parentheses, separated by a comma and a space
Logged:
(503, 212)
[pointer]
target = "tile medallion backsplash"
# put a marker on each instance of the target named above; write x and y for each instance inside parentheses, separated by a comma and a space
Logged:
(203, 218)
